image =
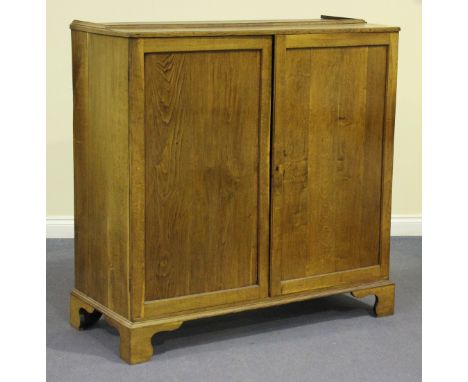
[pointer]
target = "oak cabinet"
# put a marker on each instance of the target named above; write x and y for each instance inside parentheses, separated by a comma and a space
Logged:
(222, 167)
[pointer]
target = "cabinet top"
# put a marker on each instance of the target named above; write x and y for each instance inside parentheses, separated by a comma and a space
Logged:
(327, 24)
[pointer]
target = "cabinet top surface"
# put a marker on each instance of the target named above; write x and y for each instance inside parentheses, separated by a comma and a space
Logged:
(327, 24)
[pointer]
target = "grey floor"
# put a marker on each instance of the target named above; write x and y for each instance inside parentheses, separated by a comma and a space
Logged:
(330, 339)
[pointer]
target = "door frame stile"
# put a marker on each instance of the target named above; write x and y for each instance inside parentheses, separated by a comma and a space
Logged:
(276, 169)
(136, 148)
(387, 153)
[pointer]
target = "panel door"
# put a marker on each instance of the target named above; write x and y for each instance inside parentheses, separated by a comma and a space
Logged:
(205, 164)
(332, 154)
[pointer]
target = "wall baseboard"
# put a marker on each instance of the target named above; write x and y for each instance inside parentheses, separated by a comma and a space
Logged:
(406, 225)
(61, 227)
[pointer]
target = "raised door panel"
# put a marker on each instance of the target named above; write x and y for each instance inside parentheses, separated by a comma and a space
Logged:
(328, 161)
(206, 170)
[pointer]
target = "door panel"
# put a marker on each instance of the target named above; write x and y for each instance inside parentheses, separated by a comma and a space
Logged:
(207, 105)
(327, 161)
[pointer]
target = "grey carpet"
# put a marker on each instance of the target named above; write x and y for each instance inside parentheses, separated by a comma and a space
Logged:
(329, 339)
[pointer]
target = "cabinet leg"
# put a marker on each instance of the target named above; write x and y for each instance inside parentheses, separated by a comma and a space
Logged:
(135, 342)
(82, 315)
(384, 298)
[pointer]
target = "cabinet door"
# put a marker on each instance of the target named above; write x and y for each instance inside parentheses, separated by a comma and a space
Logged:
(201, 179)
(332, 160)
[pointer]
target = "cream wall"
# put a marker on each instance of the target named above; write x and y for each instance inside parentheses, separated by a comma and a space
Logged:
(404, 13)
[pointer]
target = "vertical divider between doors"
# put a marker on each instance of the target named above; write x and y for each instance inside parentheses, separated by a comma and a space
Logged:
(272, 124)
(278, 56)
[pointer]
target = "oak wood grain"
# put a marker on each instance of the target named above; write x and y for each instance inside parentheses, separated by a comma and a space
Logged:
(327, 162)
(388, 141)
(80, 309)
(136, 152)
(101, 168)
(230, 28)
(175, 219)
(80, 157)
(135, 343)
(229, 308)
(336, 39)
(206, 177)
(384, 298)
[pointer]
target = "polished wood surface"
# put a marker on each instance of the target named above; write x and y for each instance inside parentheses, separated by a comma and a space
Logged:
(384, 298)
(182, 211)
(135, 337)
(206, 170)
(327, 160)
(82, 314)
(228, 308)
(230, 28)
(100, 82)
(136, 151)
(202, 161)
(135, 343)
(387, 154)
(202, 171)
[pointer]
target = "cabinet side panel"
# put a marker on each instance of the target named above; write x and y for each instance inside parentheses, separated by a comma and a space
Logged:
(106, 176)
(136, 130)
(80, 131)
(389, 129)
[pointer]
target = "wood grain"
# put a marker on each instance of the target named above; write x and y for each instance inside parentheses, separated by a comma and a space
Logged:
(336, 39)
(136, 152)
(135, 343)
(351, 276)
(230, 28)
(80, 157)
(203, 170)
(204, 44)
(135, 337)
(78, 308)
(384, 298)
(326, 197)
(101, 169)
(175, 219)
(230, 308)
(387, 168)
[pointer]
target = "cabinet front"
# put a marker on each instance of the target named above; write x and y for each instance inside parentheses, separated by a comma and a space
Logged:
(206, 171)
(331, 160)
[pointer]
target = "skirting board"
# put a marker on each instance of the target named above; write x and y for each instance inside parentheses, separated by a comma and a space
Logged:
(61, 227)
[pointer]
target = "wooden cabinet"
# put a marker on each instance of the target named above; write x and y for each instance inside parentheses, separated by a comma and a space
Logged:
(222, 167)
